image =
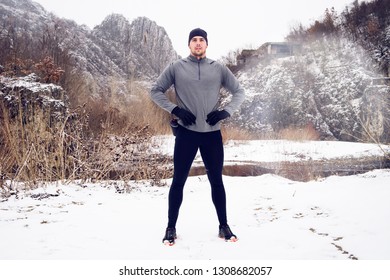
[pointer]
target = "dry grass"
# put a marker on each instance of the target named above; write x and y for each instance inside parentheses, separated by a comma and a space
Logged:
(145, 111)
(234, 133)
(99, 139)
(119, 113)
(35, 146)
(307, 133)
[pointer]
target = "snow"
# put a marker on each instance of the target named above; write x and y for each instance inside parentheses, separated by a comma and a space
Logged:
(282, 150)
(335, 218)
(30, 83)
(327, 83)
(275, 218)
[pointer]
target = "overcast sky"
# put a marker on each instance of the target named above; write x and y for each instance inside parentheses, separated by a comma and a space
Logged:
(230, 24)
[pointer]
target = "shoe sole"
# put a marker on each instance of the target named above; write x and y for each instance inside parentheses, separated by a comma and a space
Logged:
(168, 243)
(231, 239)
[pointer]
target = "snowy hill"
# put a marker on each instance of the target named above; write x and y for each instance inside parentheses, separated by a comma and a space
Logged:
(327, 85)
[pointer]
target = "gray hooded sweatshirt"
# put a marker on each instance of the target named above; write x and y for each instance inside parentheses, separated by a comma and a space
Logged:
(197, 85)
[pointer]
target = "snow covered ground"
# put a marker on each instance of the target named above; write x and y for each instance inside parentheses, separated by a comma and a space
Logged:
(336, 218)
(282, 150)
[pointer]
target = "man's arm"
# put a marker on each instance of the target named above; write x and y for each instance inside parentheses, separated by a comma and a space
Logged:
(231, 83)
(162, 84)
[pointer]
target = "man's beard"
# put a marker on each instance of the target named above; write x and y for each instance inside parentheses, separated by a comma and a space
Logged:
(198, 54)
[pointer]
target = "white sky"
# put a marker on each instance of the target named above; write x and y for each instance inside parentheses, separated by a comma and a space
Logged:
(230, 24)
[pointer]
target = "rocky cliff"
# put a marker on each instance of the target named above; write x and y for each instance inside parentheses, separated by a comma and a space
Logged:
(116, 49)
(140, 48)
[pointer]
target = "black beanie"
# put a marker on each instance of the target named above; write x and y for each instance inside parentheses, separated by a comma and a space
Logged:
(198, 32)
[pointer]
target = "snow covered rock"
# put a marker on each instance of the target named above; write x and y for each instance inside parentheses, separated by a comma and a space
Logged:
(27, 93)
(328, 85)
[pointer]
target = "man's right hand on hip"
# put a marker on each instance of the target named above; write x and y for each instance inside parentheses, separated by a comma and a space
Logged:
(186, 117)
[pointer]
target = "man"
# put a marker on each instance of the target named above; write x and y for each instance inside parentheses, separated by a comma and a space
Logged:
(197, 81)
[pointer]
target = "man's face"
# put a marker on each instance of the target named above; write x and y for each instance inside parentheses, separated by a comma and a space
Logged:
(198, 46)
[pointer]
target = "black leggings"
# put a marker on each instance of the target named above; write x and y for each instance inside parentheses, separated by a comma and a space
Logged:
(187, 144)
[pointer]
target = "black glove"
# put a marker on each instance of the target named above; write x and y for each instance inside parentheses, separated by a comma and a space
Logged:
(216, 116)
(186, 117)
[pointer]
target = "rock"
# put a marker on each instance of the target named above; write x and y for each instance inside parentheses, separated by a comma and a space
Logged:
(28, 94)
